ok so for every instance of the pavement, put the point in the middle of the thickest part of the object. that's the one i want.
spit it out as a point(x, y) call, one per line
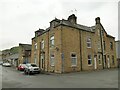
point(11, 78)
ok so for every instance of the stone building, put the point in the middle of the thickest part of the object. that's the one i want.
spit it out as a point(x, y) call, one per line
point(24, 53)
point(67, 46)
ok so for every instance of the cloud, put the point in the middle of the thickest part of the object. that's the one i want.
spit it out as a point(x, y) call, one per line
point(20, 18)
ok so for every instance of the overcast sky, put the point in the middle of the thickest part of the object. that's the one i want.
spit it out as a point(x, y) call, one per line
point(19, 19)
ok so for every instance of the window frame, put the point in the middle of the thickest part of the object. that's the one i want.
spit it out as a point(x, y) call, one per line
point(52, 40)
point(89, 42)
point(89, 59)
point(111, 45)
point(42, 44)
point(99, 45)
point(52, 60)
point(35, 46)
point(99, 60)
point(73, 58)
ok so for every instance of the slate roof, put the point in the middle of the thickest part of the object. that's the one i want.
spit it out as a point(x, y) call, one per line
point(78, 26)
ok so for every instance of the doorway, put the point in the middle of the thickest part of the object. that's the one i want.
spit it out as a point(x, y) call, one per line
point(95, 62)
point(108, 61)
point(42, 64)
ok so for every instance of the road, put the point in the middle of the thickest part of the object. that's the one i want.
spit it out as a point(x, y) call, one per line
point(11, 78)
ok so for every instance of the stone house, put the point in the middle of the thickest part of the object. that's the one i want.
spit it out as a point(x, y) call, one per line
point(66, 46)
point(13, 59)
point(24, 53)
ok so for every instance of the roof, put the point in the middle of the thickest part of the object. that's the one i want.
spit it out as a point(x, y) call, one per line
point(26, 46)
point(110, 36)
point(78, 26)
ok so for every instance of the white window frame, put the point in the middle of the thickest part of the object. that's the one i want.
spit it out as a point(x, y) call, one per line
point(73, 58)
point(98, 32)
point(99, 45)
point(35, 46)
point(88, 42)
point(42, 44)
point(52, 60)
point(89, 59)
point(52, 40)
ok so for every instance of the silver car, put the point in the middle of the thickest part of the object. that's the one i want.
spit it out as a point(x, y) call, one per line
point(31, 68)
point(6, 64)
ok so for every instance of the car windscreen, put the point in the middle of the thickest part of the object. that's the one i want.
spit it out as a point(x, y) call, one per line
point(33, 65)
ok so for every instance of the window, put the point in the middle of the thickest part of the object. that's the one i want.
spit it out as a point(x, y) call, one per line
point(35, 46)
point(111, 45)
point(73, 59)
point(88, 42)
point(35, 60)
point(99, 59)
point(89, 60)
point(98, 32)
point(52, 62)
point(113, 62)
point(42, 44)
point(99, 45)
point(104, 45)
point(52, 41)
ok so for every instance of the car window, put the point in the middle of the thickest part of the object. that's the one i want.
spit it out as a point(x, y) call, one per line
point(28, 65)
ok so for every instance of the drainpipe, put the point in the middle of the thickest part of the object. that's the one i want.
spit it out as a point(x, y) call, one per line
point(80, 50)
point(101, 38)
point(48, 53)
point(40, 55)
point(62, 55)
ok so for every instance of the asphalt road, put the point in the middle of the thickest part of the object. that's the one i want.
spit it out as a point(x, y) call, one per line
point(11, 78)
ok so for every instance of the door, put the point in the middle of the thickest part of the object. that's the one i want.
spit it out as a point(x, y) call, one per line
point(105, 61)
point(42, 66)
point(108, 62)
point(95, 63)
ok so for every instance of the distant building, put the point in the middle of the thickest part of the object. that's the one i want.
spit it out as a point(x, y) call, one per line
point(13, 59)
point(5, 54)
point(66, 46)
point(24, 53)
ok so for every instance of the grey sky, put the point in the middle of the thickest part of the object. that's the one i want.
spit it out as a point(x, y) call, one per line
point(20, 18)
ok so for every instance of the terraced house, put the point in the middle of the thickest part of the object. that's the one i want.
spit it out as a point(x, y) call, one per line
point(24, 53)
point(66, 46)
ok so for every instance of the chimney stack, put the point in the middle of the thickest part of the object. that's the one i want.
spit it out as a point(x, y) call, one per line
point(97, 20)
point(73, 19)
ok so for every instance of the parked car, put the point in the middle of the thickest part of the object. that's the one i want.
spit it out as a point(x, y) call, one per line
point(21, 67)
point(6, 64)
point(1, 63)
point(31, 68)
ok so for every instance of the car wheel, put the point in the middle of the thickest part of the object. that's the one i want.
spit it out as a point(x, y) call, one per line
point(25, 72)
point(29, 73)
point(39, 72)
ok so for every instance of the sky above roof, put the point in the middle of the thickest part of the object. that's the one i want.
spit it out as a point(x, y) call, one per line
point(21, 18)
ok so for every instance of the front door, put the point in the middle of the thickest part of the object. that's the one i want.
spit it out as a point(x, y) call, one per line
point(95, 63)
point(42, 62)
point(105, 61)
point(108, 62)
